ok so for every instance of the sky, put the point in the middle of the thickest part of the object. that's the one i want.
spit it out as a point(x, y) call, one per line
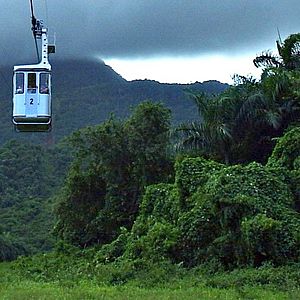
point(175, 41)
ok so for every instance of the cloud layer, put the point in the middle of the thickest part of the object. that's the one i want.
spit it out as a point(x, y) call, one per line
point(141, 28)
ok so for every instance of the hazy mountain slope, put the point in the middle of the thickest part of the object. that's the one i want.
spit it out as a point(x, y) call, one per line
point(86, 92)
point(29, 175)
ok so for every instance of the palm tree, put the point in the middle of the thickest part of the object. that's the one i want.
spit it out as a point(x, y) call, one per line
point(214, 133)
point(288, 57)
point(280, 83)
point(210, 134)
point(238, 125)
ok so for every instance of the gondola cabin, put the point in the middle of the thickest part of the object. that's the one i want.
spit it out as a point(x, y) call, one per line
point(32, 89)
point(32, 97)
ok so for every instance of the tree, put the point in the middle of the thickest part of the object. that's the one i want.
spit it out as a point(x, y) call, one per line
point(223, 122)
point(211, 134)
point(148, 132)
point(280, 83)
point(114, 163)
point(288, 58)
point(238, 125)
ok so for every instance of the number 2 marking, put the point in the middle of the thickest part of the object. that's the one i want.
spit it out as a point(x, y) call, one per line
point(31, 101)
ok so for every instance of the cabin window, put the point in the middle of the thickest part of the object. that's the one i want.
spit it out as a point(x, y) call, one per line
point(19, 83)
point(44, 83)
point(31, 83)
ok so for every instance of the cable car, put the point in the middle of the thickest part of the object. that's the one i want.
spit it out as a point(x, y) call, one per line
point(32, 89)
point(32, 97)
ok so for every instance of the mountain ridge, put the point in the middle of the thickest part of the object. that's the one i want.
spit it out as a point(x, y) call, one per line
point(86, 92)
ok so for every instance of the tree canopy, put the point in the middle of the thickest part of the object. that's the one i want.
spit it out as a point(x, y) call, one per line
point(114, 163)
point(238, 126)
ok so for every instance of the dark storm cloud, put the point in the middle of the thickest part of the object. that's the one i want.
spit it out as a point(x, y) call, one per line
point(129, 28)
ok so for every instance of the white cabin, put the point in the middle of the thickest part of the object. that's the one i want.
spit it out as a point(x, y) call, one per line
point(32, 93)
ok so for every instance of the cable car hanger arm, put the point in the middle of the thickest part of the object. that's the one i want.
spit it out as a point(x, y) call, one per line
point(36, 28)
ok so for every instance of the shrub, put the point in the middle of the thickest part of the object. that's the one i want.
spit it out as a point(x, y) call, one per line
point(111, 252)
point(193, 173)
point(225, 218)
point(283, 278)
point(263, 237)
point(154, 233)
point(286, 155)
point(152, 240)
point(162, 202)
point(9, 249)
point(244, 200)
point(287, 150)
point(236, 216)
point(198, 227)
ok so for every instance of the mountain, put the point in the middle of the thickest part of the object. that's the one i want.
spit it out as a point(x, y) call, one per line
point(86, 92)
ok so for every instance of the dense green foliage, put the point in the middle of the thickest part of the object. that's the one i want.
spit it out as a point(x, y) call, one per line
point(193, 173)
point(114, 163)
point(29, 175)
point(286, 156)
point(10, 250)
point(239, 215)
point(287, 151)
point(238, 126)
point(72, 274)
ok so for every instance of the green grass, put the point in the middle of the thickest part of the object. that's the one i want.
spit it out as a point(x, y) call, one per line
point(15, 287)
point(29, 290)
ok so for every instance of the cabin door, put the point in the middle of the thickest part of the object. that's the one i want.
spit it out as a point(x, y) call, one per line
point(31, 99)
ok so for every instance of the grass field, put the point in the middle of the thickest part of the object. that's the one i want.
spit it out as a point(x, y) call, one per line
point(29, 290)
point(17, 288)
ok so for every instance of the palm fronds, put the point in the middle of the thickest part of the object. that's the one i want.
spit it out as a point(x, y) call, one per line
point(266, 60)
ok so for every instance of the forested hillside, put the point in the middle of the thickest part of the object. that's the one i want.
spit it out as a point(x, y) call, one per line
point(87, 92)
point(29, 176)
